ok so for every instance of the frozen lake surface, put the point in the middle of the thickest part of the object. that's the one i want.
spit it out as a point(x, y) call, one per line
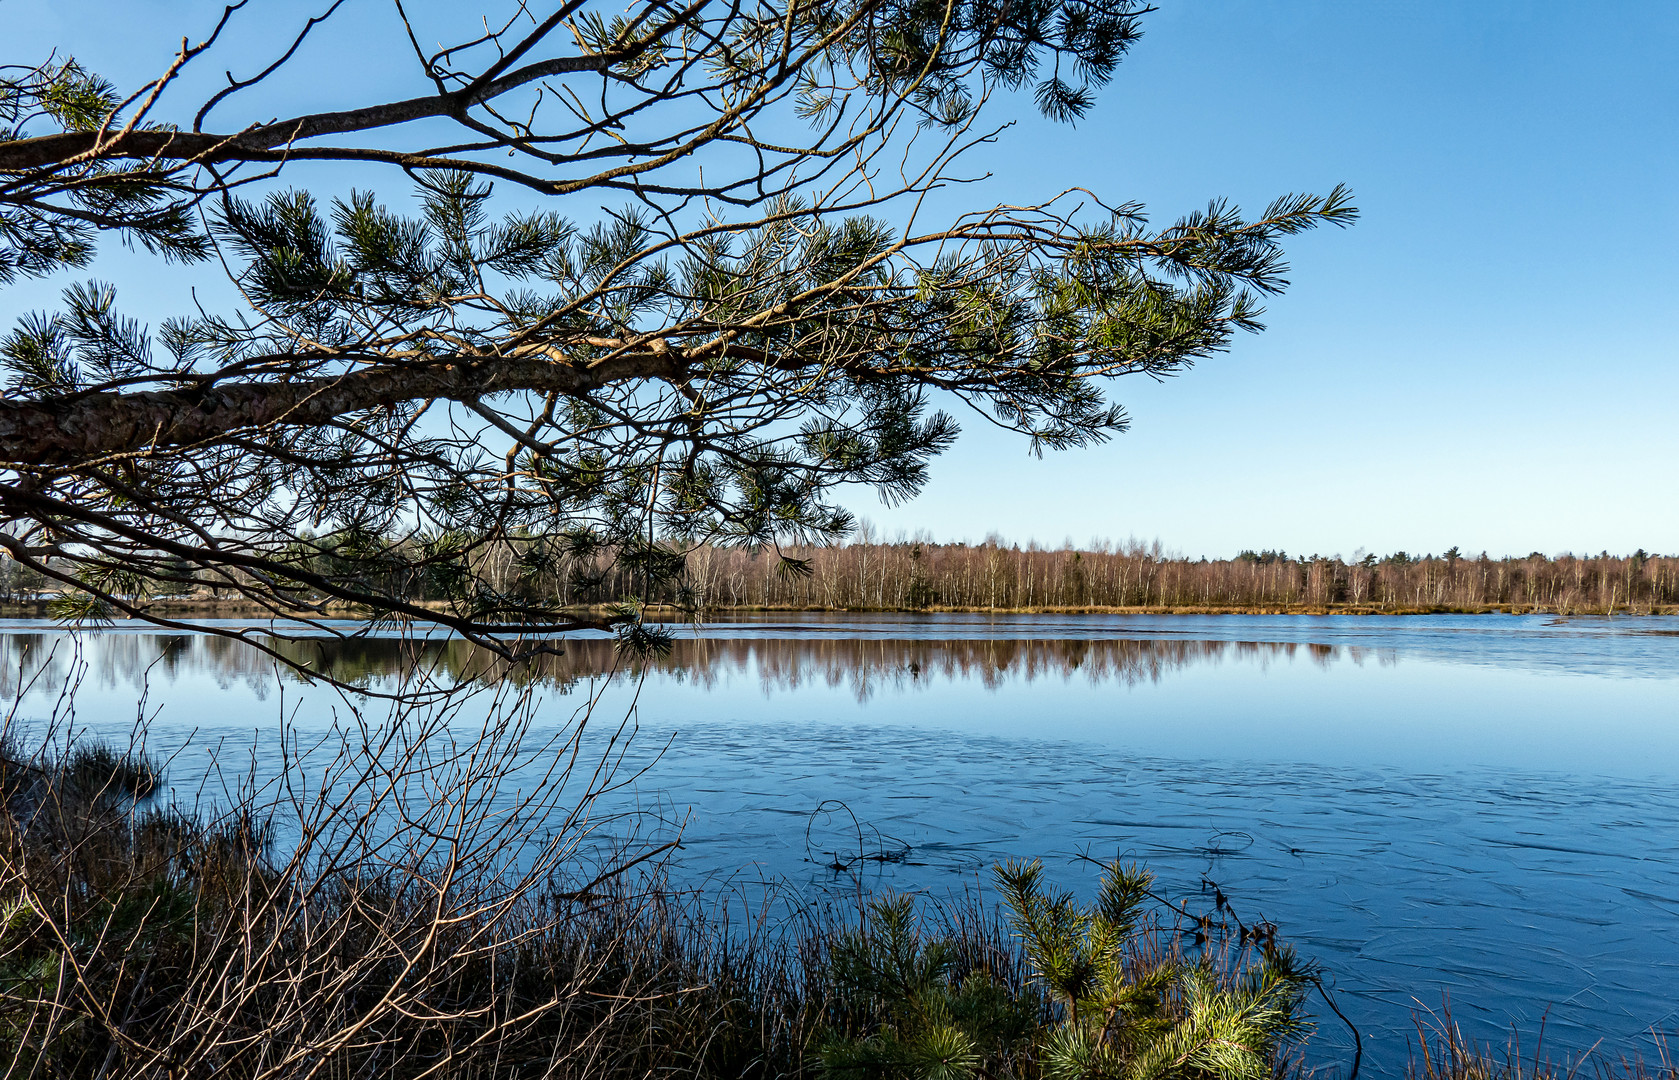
point(1481, 807)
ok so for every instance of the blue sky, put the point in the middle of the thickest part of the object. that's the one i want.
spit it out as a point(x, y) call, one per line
point(1485, 360)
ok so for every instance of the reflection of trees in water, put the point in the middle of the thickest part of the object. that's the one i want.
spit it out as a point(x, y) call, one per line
point(865, 665)
point(45, 661)
point(874, 664)
point(103, 660)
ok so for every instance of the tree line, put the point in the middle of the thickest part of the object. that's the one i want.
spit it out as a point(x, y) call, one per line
point(997, 576)
point(920, 575)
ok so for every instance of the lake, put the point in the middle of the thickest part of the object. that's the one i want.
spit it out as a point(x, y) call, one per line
point(1483, 808)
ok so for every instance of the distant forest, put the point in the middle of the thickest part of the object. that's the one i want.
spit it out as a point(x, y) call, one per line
point(925, 576)
point(995, 576)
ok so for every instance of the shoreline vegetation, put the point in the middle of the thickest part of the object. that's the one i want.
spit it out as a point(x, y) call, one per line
point(189, 610)
point(353, 933)
point(993, 577)
point(402, 905)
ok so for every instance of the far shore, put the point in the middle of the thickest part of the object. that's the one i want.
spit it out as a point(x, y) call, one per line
point(226, 609)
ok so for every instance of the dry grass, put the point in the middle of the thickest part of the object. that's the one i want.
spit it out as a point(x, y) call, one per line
point(1443, 1053)
point(419, 897)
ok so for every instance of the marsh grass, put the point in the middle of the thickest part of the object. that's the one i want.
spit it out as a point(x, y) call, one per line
point(1442, 1052)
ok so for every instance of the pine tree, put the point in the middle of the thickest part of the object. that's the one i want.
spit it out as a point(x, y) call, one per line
point(419, 394)
point(1106, 1002)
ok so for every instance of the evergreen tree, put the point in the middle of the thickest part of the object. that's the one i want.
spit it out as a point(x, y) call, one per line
point(724, 309)
point(1108, 1001)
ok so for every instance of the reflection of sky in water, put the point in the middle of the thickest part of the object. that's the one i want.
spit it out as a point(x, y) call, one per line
point(1482, 806)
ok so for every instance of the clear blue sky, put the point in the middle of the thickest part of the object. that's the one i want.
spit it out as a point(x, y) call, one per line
point(1486, 360)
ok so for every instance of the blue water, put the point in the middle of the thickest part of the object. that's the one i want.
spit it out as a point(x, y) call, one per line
point(1484, 809)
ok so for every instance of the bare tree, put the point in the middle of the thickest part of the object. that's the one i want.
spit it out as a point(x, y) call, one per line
point(760, 314)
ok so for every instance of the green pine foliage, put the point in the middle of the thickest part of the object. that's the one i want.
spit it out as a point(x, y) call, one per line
point(909, 1006)
point(1108, 998)
point(53, 223)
